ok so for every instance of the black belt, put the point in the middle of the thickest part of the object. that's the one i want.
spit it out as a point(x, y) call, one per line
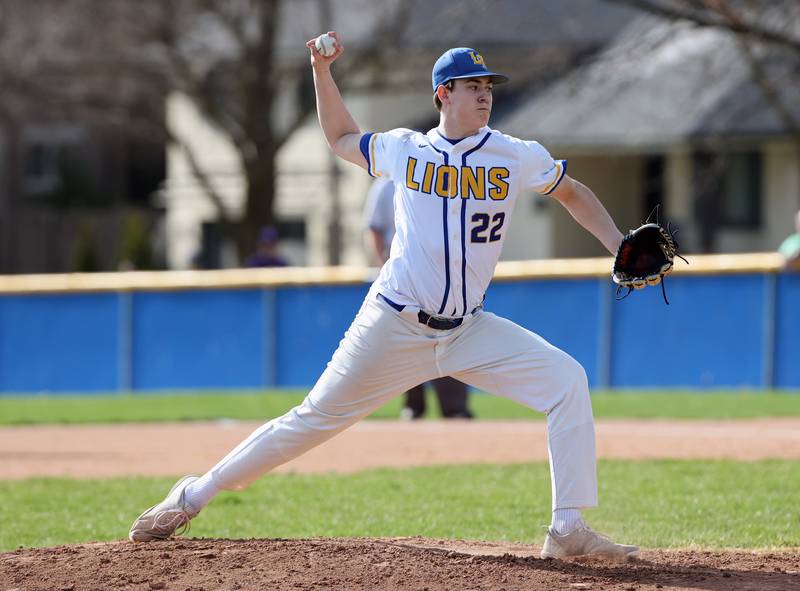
point(437, 322)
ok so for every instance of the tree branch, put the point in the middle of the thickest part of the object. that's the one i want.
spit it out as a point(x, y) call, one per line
point(388, 32)
point(757, 69)
point(712, 17)
point(201, 177)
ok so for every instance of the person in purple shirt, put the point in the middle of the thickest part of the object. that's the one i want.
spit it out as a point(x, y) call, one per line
point(266, 254)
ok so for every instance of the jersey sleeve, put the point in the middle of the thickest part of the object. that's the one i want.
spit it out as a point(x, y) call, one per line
point(540, 172)
point(382, 151)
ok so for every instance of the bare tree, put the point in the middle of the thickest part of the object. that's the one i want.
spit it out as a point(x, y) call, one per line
point(742, 18)
point(114, 62)
point(234, 75)
point(761, 28)
point(68, 67)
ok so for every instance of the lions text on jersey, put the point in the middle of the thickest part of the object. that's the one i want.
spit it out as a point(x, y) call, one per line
point(452, 207)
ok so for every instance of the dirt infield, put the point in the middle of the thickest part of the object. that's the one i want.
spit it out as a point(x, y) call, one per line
point(415, 563)
point(170, 449)
point(368, 564)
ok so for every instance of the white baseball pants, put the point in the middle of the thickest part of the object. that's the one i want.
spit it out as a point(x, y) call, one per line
point(386, 352)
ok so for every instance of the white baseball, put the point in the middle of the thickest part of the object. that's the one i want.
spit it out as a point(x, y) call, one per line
point(325, 45)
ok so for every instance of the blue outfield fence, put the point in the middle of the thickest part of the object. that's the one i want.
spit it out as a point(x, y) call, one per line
point(738, 327)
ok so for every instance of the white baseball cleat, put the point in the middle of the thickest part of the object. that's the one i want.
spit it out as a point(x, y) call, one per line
point(160, 521)
point(585, 542)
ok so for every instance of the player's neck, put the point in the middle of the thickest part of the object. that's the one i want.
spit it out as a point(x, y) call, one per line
point(453, 131)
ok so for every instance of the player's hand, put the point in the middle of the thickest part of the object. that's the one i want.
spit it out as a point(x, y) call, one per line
point(317, 59)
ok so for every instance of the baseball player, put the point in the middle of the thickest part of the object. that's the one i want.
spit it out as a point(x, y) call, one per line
point(422, 318)
point(379, 220)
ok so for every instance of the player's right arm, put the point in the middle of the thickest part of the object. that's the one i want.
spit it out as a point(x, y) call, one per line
point(341, 131)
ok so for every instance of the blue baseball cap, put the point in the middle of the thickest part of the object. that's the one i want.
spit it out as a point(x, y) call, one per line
point(462, 62)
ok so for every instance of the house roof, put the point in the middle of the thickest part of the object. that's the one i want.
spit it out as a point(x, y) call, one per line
point(657, 84)
point(517, 22)
point(532, 41)
point(445, 23)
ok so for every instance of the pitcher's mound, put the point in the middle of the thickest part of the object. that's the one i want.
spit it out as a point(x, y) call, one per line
point(398, 563)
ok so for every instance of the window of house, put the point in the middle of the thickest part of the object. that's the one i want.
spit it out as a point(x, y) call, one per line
point(729, 184)
point(42, 174)
point(145, 169)
point(292, 229)
point(62, 170)
point(742, 190)
point(653, 188)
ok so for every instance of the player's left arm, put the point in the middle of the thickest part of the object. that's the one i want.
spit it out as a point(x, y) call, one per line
point(588, 211)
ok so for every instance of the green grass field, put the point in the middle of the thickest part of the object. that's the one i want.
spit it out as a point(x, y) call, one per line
point(657, 504)
point(262, 405)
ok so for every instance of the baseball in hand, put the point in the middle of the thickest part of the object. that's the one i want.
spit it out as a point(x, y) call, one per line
point(325, 45)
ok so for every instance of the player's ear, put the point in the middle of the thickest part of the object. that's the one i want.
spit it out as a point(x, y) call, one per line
point(442, 92)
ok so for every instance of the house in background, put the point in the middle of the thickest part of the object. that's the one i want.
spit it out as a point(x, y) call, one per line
point(76, 175)
point(646, 111)
point(72, 193)
point(671, 114)
point(318, 196)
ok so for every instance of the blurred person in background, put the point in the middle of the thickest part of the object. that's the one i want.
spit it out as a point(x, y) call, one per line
point(379, 220)
point(266, 254)
point(790, 248)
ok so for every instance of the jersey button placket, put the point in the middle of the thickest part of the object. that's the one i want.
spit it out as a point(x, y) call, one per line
point(455, 257)
point(454, 238)
point(455, 246)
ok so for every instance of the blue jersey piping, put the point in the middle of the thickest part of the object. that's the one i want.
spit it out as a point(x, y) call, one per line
point(363, 144)
point(445, 203)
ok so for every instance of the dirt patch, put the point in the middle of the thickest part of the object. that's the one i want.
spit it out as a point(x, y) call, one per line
point(171, 449)
point(353, 564)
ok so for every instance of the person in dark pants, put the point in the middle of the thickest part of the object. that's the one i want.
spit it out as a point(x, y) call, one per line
point(379, 220)
point(452, 396)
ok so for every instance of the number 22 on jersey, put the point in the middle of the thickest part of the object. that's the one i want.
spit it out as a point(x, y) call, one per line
point(482, 222)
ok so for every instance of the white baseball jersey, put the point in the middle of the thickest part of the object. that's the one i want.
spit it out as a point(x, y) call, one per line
point(453, 201)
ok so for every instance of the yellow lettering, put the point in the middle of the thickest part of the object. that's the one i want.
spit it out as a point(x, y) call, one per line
point(410, 182)
point(446, 188)
point(497, 177)
point(471, 184)
point(427, 179)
